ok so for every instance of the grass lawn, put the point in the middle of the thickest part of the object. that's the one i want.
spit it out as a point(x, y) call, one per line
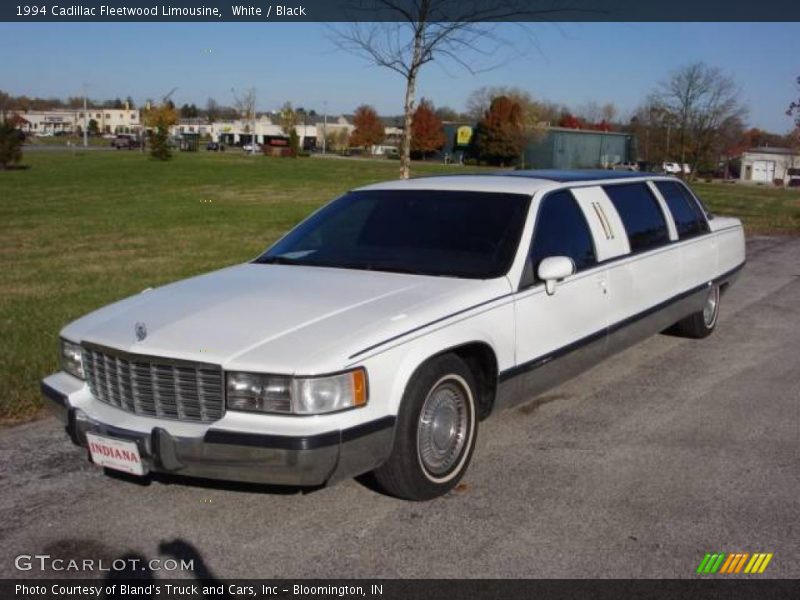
point(61, 140)
point(763, 209)
point(80, 230)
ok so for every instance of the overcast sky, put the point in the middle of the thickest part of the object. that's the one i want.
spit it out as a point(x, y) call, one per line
point(571, 63)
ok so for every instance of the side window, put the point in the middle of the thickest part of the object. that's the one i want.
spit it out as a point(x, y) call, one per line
point(640, 213)
point(689, 219)
point(561, 230)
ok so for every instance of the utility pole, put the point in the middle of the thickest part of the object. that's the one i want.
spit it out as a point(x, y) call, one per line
point(325, 127)
point(253, 141)
point(85, 120)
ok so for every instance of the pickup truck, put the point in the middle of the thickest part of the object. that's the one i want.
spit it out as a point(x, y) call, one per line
point(378, 333)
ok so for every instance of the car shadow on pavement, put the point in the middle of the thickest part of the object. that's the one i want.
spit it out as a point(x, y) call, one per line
point(178, 550)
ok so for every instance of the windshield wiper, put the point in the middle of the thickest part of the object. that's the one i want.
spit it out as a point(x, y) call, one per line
point(277, 260)
point(374, 267)
point(285, 260)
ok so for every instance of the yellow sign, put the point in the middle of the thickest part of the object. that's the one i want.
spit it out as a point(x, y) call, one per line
point(463, 135)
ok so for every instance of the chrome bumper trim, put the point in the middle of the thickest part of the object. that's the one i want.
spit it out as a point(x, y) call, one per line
point(239, 456)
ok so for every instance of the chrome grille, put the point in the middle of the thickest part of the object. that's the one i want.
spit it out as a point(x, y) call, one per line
point(154, 386)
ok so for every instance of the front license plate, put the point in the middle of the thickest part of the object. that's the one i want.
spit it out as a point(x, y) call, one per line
point(115, 454)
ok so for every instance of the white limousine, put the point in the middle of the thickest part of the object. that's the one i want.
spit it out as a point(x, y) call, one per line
point(379, 332)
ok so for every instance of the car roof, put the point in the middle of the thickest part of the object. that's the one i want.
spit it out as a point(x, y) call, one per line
point(565, 175)
point(512, 182)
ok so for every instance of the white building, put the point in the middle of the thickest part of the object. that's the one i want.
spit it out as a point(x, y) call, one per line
point(767, 165)
point(241, 131)
point(109, 120)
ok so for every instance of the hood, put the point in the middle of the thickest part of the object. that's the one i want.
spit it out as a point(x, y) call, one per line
point(279, 318)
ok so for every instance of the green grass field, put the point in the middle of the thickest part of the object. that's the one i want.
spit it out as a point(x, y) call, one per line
point(763, 209)
point(80, 230)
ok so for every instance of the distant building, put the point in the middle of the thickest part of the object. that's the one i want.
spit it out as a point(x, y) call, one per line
point(557, 148)
point(768, 165)
point(109, 120)
point(243, 131)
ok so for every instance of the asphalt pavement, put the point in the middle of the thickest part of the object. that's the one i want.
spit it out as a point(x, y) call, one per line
point(637, 468)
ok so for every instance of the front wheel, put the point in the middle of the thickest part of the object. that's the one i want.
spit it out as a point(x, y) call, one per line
point(436, 431)
point(701, 324)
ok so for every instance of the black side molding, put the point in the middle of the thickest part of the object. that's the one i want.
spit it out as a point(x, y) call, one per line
point(54, 395)
point(434, 322)
point(593, 337)
point(290, 442)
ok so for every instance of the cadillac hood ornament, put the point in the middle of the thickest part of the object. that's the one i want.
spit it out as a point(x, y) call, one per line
point(141, 331)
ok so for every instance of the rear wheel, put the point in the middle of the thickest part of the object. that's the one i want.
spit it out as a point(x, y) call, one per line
point(436, 431)
point(702, 323)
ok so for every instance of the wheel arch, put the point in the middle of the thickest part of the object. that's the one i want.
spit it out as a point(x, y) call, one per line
point(481, 359)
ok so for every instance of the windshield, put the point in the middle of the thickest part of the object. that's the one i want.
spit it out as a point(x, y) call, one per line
point(445, 233)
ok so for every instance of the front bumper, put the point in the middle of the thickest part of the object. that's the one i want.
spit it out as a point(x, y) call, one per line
point(241, 456)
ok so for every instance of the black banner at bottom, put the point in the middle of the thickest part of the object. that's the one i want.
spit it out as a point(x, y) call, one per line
point(395, 589)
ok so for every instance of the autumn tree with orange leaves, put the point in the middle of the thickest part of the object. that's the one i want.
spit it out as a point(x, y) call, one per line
point(427, 134)
point(369, 131)
point(500, 135)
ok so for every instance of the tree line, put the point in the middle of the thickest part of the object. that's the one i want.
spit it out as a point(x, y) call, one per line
point(693, 116)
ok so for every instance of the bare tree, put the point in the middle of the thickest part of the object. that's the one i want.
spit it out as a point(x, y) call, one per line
point(479, 101)
point(793, 137)
point(590, 112)
point(246, 106)
point(700, 99)
point(609, 112)
point(794, 108)
point(212, 110)
point(461, 32)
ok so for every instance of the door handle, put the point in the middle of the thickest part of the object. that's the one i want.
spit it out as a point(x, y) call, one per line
point(603, 283)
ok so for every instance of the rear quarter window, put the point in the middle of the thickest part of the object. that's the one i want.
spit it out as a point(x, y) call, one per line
point(641, 215)
point(688, 216)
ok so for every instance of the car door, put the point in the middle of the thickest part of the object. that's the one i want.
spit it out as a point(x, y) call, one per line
point(641, 282)
point(560, 334)
point(697, 245)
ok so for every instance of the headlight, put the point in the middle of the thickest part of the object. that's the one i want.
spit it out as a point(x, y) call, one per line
point(71, 358)
point(262, 393)
point(299, 395)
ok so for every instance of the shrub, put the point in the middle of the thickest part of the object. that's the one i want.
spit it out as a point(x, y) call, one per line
point(10, 146)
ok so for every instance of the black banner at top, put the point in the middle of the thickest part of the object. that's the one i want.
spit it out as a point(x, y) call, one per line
point(254, 11)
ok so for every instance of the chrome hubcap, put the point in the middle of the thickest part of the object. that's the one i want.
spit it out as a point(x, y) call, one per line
point(443, 424)
point(710, 307)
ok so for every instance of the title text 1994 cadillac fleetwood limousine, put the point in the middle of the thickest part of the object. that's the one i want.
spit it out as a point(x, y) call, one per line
point(377, 334)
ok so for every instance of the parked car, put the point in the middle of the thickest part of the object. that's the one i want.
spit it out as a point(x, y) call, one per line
point(672, 168)
point(686, 169)
point(252, 148)
point(125, 141)
point(44, 134)
point(626, 166)
point(379, 332)
point(215, 147)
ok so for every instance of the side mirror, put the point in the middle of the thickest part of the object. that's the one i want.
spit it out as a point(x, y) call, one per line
point(553, 269)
